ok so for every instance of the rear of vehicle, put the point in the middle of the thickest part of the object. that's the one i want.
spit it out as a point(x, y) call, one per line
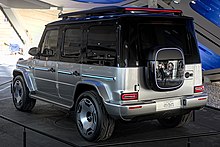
point(157, 74)
point(161, 66)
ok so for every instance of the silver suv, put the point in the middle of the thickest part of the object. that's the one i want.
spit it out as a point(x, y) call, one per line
point(114, 63)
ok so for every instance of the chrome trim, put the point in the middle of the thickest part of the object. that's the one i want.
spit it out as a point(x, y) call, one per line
point(31, 82)
point(41, 68)
point(66, 84)
point(197, 96)
point(54, 81)
point(50, 101)
point(45, 79)
point(24, 66)
point(99, 77)
point(65, 72)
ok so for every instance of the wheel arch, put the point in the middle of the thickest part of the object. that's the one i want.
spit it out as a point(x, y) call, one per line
point(87, 85)
point(28, 78)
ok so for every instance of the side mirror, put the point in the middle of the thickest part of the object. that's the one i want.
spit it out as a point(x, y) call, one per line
point(48, 52)
point(34, 51)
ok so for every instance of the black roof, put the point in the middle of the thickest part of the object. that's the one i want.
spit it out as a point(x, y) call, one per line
point(113, 10)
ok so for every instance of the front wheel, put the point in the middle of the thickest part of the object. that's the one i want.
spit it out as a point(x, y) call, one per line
point(93, 122)
point(20, 95)
point(175, 121)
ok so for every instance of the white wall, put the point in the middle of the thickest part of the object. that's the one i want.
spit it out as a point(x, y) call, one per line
point(7, 34)
point(34, 21)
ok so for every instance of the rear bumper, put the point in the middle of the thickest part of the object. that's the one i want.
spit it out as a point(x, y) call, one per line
point(151, 107)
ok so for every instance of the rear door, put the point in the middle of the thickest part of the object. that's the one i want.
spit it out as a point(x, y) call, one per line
point(69, 72)
point(179, 73)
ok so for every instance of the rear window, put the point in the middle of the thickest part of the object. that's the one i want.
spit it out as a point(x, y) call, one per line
point(101, 45)
point(156, 35)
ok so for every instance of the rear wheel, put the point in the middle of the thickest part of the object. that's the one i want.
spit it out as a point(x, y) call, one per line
point(93, 122)
point(20, 94)
point(175, 121)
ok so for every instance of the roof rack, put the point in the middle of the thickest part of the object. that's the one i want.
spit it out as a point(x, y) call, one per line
point(118, 10)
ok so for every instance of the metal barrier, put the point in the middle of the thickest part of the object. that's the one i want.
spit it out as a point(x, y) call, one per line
point(188, 137)
point(37, 131)
point(188, 143)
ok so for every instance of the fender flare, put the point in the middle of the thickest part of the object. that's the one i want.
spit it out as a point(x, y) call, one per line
point(102, 89)
point(28, 78)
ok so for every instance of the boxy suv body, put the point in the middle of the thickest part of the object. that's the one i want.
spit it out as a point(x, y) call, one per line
point(115, 63)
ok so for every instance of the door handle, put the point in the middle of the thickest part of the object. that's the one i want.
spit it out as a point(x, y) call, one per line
point(75, 73)
point(52, 69)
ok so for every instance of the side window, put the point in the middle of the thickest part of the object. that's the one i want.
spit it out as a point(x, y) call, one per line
point(49, 45)
point(101, 45)
point(72, 45)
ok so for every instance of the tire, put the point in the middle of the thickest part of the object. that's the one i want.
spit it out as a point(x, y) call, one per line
point(175, 121)
point(92, 120)
point(20, 95)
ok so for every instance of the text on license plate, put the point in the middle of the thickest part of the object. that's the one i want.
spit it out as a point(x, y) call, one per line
point(167, 105)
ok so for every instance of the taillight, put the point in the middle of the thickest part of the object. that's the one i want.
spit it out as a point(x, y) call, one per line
point(201, 99)
point(198, 89)
point(129, 96)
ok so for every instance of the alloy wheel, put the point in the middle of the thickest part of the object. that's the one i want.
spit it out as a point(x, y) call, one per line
point(86, 117)
point(18, 92)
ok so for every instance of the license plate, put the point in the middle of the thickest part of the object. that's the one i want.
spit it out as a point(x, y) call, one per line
point(167, 105)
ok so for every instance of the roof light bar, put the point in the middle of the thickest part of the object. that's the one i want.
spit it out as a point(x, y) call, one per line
point(116, 10)
point(154, 10)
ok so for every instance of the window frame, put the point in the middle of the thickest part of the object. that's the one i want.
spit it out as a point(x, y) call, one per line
point(71, 59)
point(102, 62)
point(40, 46)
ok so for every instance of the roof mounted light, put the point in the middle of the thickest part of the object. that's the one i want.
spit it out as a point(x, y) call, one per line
point(112, 10)
point(151, 10)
